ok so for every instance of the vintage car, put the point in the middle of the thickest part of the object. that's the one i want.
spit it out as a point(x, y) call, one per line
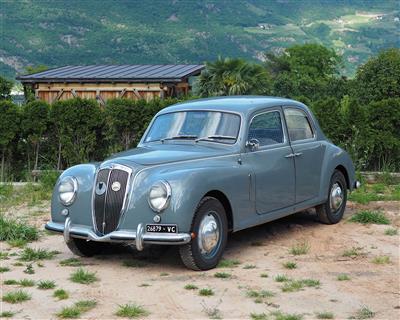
point(202, 169)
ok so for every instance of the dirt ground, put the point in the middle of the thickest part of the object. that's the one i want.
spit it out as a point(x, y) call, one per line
point(158, 285)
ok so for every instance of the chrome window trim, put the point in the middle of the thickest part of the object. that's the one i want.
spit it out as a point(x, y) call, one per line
point(311, 124)
point(142, 140)
point(275, 145)
point(125, 203)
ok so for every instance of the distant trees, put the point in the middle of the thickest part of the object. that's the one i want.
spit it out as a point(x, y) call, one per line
point(5, 88)
point(233, 77)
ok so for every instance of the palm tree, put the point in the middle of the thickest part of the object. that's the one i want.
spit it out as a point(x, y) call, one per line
point(233, 76)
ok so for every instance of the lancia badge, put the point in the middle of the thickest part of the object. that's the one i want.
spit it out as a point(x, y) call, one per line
point(100, 188)
point(116, 186)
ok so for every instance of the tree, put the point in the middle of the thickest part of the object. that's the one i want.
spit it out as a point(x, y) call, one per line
point(78, 127)
point(379, 78)
point(9, 126)
point(233, 77)
point(5, 88)
point(34, 124)
point(29, 92)
point(36, 69)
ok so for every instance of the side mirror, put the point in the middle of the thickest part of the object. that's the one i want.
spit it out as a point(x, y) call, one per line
point(253, 144)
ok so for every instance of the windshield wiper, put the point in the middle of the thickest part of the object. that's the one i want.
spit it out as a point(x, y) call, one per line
point(212, 138)
point(187, 136)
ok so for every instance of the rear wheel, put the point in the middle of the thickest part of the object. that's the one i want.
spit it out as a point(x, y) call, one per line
point(332, 210)
point(83, 247)
point(210, 227)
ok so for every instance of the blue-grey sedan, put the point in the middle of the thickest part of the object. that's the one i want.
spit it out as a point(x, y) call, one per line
point(202, 169)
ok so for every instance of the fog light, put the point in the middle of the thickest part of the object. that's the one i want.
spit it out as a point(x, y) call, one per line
point(64, 212)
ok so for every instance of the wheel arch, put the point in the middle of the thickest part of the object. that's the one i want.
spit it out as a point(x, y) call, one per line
point(220, 196)
point(343, 170)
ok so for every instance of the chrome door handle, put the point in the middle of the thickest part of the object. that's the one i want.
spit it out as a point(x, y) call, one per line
point(298, 154)
point(292, 155)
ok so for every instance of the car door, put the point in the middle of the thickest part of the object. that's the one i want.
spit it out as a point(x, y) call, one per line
point(308, 153)
point(274, 173)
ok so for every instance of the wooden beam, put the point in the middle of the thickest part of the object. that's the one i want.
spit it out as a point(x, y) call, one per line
point(122, 93)
point(73, 92)
point(137, 94)
point(58, 96)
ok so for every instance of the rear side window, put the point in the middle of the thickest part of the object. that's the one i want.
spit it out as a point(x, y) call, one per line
point(298, 125)
point(267, 128)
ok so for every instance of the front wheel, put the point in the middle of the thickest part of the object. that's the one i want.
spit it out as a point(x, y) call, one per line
point(210, 229)
point(84, 248)
point(332, 210)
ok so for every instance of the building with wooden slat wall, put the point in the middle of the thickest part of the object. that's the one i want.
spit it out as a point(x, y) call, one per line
point(106, 82)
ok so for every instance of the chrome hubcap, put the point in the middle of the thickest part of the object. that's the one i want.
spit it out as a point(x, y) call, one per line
point(336, 196)
point(208, 234)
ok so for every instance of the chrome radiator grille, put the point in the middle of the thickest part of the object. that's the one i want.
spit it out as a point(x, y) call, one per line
point(109, 197)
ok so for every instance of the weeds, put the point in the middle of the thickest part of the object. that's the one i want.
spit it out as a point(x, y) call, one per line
point(30, 254)
point(10, 282)
point(353, 252)
point(300, 248)
point(12, 230)
point(259, 294)
point(7, 314)
point(258, 316)
point(4, 255)
point(4, 269)
point(131, 311)
point(370, 217)
point(381, 260)
point(264, 275)
point(391, 232)
point(191, 287)
point(71, 262)
point(364, 313)
point(290, 265)
point(77, 309)
point(16, 296)
point(222, 275)
point(343, 277)
point(84, 277)
point(297, 285)
point(325, 315)
point(26, 283)
point(281, 278)
point(249, 266)
point(206, 292)
point(46, 284)
point(29, 269)
point(228, 263)
point(286, 316)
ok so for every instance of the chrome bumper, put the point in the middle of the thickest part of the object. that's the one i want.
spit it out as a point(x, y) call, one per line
point(139, 237)
point(357, 184)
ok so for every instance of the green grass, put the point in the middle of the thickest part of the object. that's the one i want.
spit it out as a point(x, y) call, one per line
point(131, 311)
point(61, 294)
point(381, 260)
point(258, 316)
point(353, 252)
point(83, 276)
point(71, 262)
point(249, 266)
point(77, 309)
point(343, 277)
point(26, 283)
point(297, 285)
point(222, 275)
point(300, 248)
point(260, 294)
point(391, 232)
point(228, 263)
point(264, 275)
point(290, 265)
point(133, 263)
point(13, 230)
point(205, 292)
point(286, 316)
point(30, 254)
point(4, 255)
point(16, 296)
point(10, 282)
point(191, 287)
point(46, 284)
point(376, 192)
point(7, 314)
point(325, 315)
point(4, 269)
point(281, 278)
point(364, 313)
point(29, 269)
point(370, 217)
point(17, 243)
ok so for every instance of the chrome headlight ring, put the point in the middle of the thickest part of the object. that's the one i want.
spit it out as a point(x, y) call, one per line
point(159, 196)
point(67, 190)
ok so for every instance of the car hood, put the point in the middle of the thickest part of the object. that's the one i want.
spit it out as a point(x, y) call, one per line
point(165, 153)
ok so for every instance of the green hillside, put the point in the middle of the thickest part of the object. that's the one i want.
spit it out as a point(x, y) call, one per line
point(56, 33)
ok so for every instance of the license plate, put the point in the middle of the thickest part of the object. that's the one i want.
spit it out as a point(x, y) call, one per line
point(162, 228)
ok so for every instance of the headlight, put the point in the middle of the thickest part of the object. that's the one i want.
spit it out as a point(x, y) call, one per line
point(159, 196)
point(67, 189)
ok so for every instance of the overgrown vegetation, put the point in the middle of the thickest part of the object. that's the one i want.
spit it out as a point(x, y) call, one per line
point(16, 296)
point(77, 309)
point(228, 263)
point(13, 230)
point(46, 284)
point(206, 292)
point(300, 248)
point(31, 254)
point(131, 311)
point(83, 276)
point(368, 216)
point(71, 262)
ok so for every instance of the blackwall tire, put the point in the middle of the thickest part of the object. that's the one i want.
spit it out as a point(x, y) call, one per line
point(84, 248)
point(210, 227)
point(332, 210)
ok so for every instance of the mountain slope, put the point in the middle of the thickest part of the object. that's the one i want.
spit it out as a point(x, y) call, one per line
point(56, 33)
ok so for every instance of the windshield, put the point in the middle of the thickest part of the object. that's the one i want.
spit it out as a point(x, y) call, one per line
point(222, 127)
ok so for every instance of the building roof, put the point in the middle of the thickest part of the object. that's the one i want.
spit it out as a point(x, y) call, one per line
point(116, 73)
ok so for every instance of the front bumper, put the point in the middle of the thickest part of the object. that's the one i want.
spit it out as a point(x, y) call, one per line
point(139, 237)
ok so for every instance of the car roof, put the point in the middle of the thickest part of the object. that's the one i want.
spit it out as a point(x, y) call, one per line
point(244, 105)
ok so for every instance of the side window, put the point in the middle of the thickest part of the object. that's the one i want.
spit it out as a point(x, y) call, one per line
point(267, 128)
point(298, 125)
